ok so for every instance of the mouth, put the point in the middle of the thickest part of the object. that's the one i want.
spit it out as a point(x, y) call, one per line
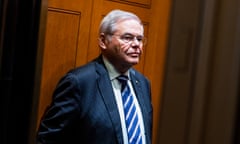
point(134, 54)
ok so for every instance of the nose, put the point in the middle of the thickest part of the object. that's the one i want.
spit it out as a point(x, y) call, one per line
point(135, 42)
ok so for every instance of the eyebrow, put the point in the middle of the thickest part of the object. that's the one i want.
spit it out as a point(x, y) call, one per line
point(131, 34)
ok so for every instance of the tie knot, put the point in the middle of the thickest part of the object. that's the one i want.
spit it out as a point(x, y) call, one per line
point(123, 80)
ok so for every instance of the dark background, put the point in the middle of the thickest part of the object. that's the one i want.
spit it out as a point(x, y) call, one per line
point(18, 50)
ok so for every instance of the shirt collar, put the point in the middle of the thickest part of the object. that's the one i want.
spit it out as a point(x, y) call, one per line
point(113, 73)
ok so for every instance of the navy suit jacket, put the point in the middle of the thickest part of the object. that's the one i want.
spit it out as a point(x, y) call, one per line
point(84, 110)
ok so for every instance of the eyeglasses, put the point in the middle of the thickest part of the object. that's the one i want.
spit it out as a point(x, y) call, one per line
point(129, 38)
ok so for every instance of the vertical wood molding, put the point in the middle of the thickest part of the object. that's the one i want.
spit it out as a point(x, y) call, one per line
point(38, 71)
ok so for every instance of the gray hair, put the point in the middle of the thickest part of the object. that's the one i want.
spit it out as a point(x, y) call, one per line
point(107, 25)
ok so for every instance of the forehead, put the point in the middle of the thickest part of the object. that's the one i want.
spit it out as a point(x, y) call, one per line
point(129, 26)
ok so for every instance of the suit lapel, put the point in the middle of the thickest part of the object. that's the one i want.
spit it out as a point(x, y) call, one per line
point(137, 86)
point(138, 90)
point(105, 88)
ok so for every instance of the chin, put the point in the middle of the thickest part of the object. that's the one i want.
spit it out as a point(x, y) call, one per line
point(134, 62)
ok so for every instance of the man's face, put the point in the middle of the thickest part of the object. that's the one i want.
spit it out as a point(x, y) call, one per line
point(125, 46)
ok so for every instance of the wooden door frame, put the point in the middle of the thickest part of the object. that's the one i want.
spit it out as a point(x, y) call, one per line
point(38, 71)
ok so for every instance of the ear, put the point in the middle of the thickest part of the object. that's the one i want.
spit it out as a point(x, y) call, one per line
point(102, 41)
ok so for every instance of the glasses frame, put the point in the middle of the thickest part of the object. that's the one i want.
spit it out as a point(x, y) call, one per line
point(130, 38)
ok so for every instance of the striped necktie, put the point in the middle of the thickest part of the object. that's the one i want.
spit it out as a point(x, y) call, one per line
point(130, 112)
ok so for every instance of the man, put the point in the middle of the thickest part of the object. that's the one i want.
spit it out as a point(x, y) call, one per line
point(89, 106)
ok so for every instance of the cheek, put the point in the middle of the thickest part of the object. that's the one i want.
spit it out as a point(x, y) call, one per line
point(124, 47)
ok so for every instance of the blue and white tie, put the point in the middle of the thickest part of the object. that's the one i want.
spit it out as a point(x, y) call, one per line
point(130, 112)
